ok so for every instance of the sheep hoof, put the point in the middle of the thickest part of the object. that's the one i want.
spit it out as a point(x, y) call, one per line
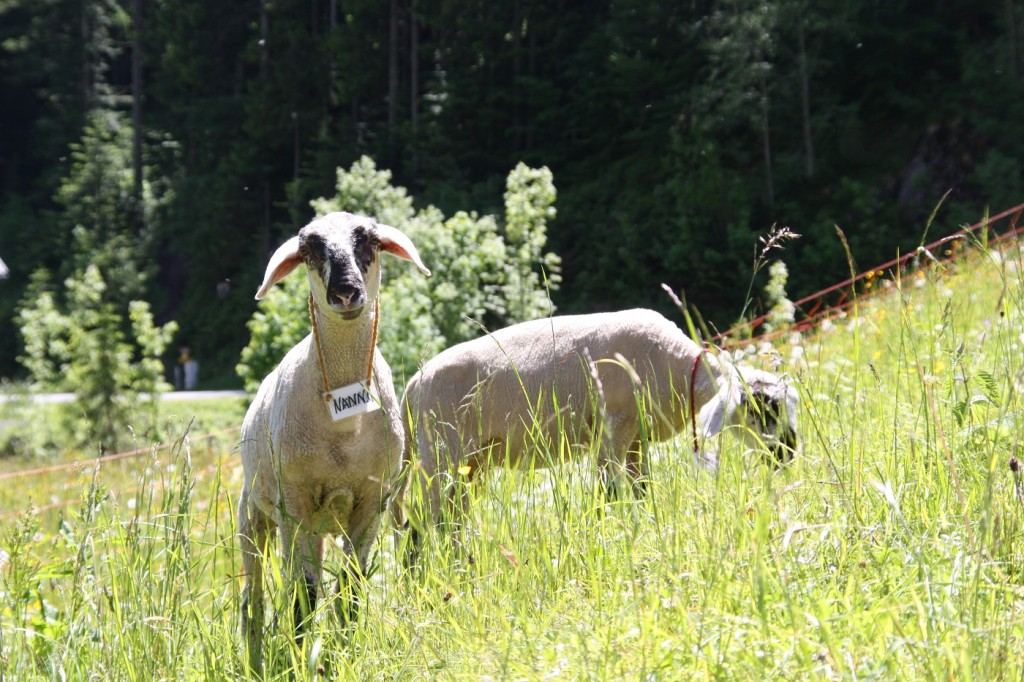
point(412, 551)
point(303, 605)
point(347, 603)
point(641, 488)
point(707, 460)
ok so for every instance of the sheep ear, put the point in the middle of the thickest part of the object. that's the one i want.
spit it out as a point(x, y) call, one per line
point(717, 412)
point(284, 260)
point(711, 417)
point(397, 244)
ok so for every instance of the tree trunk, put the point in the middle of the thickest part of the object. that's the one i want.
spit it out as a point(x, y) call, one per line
point(264, 30)
point(137, 99)
point(86, 84)
point(531, 69)
point(766, 137)
point(414, 77)
point(296, 150)
point(805, 100)
point(332, 86)
point(517, 71)
point(393, 83)
point(1011, 27)
point(264, 61)
point(265, 237)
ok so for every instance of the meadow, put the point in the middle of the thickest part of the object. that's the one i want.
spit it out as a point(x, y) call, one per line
point(889, 549)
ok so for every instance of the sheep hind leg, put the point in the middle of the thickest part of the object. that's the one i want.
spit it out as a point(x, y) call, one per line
point(254, 532)
point(638, 466)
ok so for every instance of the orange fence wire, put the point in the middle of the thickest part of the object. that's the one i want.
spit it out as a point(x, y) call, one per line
point(816, 308)
point(63, 504)
point(94, 463)
point(85, 463)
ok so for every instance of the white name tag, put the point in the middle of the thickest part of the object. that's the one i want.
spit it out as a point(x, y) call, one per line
point(351, 400)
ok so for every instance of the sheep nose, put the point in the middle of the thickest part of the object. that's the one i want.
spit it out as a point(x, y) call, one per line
point(346, 297)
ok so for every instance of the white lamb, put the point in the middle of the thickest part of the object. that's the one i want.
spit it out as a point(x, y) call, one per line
point(492, 401)
point(318, 465)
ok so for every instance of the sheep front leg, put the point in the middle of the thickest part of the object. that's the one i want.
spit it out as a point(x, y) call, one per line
point(436, 495)
point(409, 520)
point(613, 457)
point(458, 503)
point(399, 519)
point(447, 493)
point(356, 566)
point(254, 531)
point(303, 554)
point(420, 492)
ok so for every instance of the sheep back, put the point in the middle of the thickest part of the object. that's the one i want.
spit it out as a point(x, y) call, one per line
point(502, 389)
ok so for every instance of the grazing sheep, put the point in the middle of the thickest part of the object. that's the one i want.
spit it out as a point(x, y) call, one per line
point(310, 470)
point(491, 401)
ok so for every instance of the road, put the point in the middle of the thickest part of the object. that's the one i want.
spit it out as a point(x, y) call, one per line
point(170, 396)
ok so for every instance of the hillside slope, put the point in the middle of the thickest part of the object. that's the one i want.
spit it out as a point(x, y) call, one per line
point(890, 549)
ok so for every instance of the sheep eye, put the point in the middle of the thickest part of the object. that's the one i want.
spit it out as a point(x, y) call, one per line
point(364, 247)
point(313, 252)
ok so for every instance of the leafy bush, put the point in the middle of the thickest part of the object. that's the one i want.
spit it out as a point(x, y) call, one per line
point(485, 274)
point(83, 347)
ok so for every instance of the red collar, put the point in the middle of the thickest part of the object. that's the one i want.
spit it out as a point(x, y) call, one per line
point(693, 406)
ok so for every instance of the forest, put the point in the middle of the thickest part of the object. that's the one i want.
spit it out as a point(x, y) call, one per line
point(171, 145)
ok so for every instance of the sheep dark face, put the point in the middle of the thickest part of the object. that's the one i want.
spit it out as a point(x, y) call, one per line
point(768, 412)
point(780, 433)
point(342, 254)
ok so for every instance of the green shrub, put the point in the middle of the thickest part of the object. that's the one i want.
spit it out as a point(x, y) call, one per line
point(485, 274)
point(86, 347)
point(781, 312)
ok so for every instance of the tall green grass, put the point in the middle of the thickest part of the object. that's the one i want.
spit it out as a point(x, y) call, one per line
point(890, 549)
